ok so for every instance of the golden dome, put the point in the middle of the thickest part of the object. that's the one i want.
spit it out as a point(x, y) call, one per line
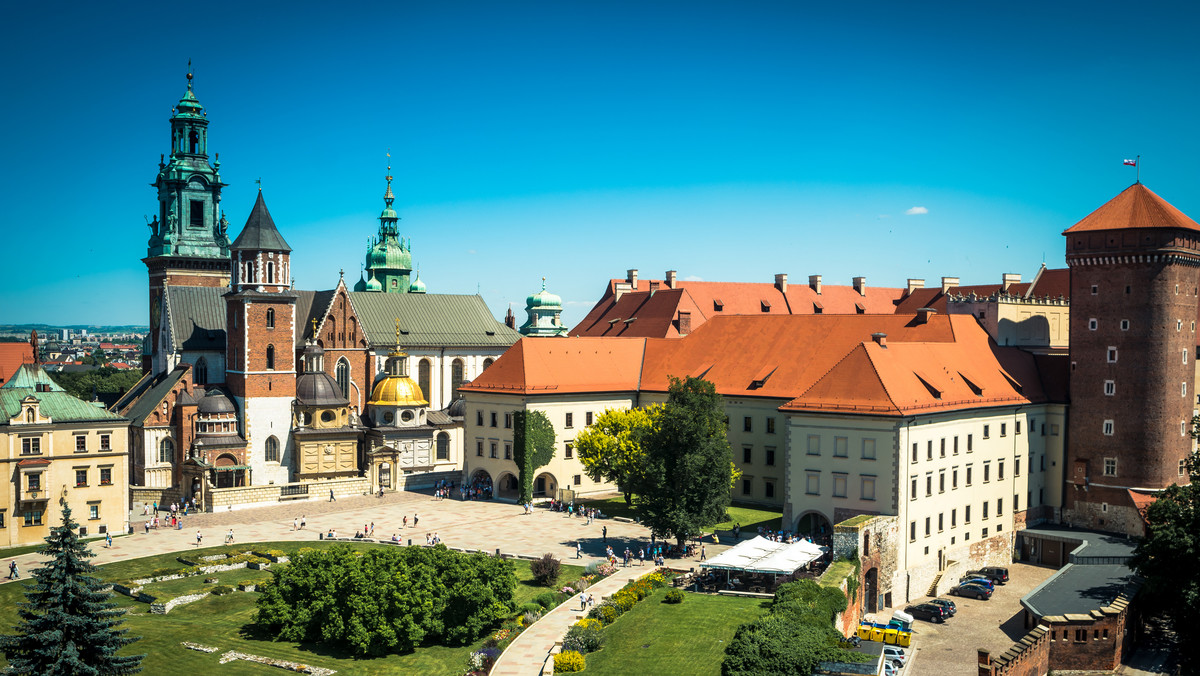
point(397, 391)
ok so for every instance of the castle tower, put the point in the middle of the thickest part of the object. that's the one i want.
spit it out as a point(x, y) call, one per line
point(188, 245)
point(1135, 275)
point(545, 315)
point(260, 344)
point(389, 256)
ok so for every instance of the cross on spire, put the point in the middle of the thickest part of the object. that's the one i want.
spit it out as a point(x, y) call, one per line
point(314, 324)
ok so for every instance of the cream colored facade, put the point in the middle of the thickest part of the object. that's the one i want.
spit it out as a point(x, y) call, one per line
point(952, 478)
point(84, 463)
point(1036, 324)
point(488, 435)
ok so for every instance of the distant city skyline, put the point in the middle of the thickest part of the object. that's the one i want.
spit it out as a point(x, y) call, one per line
point(577, 140)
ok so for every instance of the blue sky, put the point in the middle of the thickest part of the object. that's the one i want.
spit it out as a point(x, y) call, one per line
point(573, 140)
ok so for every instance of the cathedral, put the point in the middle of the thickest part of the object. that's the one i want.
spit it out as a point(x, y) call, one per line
point(257, 391)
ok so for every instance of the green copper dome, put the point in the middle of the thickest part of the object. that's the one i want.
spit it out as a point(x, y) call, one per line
point(390, 254)
point(543, 298)
point(373, 284)
point(361, 284)
point(417, 285)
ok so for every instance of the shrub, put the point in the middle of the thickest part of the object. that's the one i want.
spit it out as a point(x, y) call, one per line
point(545, 570)
point(530, 608)
point(624, 600)
point(589, 623)
point(546, 600)
point(569, 661)
point(221, 590)
point(584, 639)
point(673, 596)
point(605, 612)
point(592, 568)
point(531, 617)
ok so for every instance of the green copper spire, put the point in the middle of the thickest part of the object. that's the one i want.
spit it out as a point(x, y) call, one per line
point(545, 315)
point(189, 223)
point(389, 256)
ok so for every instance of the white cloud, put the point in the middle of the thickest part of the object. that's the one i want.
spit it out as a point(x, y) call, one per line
point(882, 216)
point(693, 278)
point(917, 210)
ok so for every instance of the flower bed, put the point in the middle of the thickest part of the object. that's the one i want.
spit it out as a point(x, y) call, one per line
point(587, 636)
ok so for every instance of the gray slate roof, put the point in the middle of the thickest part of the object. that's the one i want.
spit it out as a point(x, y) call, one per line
point(260, 232)
point(197, 316)
point(1078, 589)
point(153, 396)
point(310, 305)
point(429, 320)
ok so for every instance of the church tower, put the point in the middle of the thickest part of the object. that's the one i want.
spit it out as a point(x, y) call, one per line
point(545, 315)
point(389, 256)
point(260, 344)
point(1135, 276)
point(188, 245)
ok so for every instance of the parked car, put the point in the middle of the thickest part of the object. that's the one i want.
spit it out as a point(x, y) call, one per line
point(928, 611)
point(949, 605)
point(895, 654)
point(889, 669)
point(972, 590)
point(975, 579)
point(996, 574)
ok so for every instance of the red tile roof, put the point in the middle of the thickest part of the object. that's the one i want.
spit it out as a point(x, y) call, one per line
point(565, 365)
point(1136, 207)
point(12, 355)
point(1142, 501)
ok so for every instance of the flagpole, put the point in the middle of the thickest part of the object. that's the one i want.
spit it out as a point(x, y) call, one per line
point(1139, 168)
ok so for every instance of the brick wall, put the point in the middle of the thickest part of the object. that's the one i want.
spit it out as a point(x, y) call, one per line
point(1028, 657)
point(1096, 640)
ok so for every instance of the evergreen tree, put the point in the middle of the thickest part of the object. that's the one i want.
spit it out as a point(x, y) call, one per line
point(685, 484)
point(68, 625)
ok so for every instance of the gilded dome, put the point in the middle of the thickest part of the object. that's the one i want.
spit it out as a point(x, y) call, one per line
point(397, 391)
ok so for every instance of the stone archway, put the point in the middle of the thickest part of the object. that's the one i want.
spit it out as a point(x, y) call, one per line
point(507, 487)
point(871, 590)
point(545, 485)
point(815, 524)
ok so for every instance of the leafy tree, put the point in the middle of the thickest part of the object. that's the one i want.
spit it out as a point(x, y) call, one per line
point(1172, 546)
point(68, 623)
point(613, 448)
point(533, 447)
point(685, 485)
point(105, 379)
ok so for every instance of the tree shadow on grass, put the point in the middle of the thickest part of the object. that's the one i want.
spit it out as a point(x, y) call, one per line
point(253, 632)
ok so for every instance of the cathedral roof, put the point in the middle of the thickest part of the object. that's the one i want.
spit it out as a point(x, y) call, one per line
point(319, 389)
point(397, 391)
point(260, 232)
point(1136, 207)
point(215, 401)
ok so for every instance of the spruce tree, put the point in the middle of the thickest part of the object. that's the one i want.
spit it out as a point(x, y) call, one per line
point(68, 624)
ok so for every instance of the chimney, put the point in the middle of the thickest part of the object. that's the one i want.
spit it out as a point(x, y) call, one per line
point(913, 285)
point(949, 283)
point(860, 285)
point(1010, 278)
point(653, 287)
point(670, 279)
point(631, 277)
point(685, 323)
point(924, 314)
point(880, 338)
point(814, 282)
point(781, 282)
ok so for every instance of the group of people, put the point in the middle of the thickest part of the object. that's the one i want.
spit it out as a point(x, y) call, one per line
point(480, 488)
point(442, 489)
point(589, 513)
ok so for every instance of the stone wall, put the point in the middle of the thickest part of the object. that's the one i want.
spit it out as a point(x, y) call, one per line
point(164, 608)
point(928, 580)
point(1028, 657)
point(245, 497)
point(139, 496)
point(1091, 641)
point(874, 540)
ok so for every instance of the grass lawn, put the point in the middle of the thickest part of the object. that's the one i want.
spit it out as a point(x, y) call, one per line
point(750, 517)
point(661, 638)
point(221, 621)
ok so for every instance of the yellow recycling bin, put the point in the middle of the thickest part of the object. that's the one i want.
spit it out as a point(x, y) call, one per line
point(889, 636)
point(864, 632)
point(903, 638)
point(876, 633)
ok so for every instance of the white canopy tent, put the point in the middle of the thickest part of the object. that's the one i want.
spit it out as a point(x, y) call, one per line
point(761, 555)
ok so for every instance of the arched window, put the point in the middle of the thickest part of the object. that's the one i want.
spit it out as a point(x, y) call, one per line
point(193, 143)
point(270, 272)
point(201, 374)
point(166, 450)
point(270, 317)
point(270, 357)
point(272, 449)
point(332, 331)
point(456, 377)
point(343, 376)
point(443, 446)
point(487, 362)
point(423, 370)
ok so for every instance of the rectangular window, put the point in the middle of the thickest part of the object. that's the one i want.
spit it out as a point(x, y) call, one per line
point(479, 448)
point(2, 519)
point(970, 445)
point(1004, 429)
point(747, 454)
point(929, 450)
point(968, 475)
point(1110, 467)
point(1017, 430)
point(967, 514)
point(840, 445)
point(984, 533)
point(80, 477)
point(93, 512)
point(955, 445)
point(987, 471)
point(868, 488)
point(745, 487)
point(1108, 428)
point(839, 485)
point(493, 419)
point(814, 444)
point(914, 452)
point(943, 448)
point(570, 420)
point(1016, 502)
point(769, 488)
point(479, 418)
point(31, 446)
point(813, 483)
point(587, 417)
point(953, 518)
point(196, 214)
point(569, 451)
point(747, 424)
point(577, 480)
point(80, 443)
point(912, 531)
point(954, 479)
point(928, 485)
point(1017, 466)
point(941, 524)
point(987, 431)
point(770, 426)
point(928, 526)
point(493, 449)
point(508, 421)
point(985, 508)
point(868, 449)
point(912, 495)
point(1000, 470)
point(1053, 429)
point(1042, 462)
point(942, 481)
point(999, 506)
point(35, 481)
point(1112, 354)
point(104, 443)
point(33, 517)
point(507, 450)
point(770, 456)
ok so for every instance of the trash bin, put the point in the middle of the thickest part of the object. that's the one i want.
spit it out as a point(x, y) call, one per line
point(889, 635)
point(903, 638)
point(864, 632)
point(876, 633)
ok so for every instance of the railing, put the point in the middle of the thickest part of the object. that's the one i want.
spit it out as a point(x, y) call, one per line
point(293, 490)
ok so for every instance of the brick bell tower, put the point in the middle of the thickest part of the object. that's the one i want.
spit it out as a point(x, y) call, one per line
point(260, 345)
point(188, 245)
point(1135, 276)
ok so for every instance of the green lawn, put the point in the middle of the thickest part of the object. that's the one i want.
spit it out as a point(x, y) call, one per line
point(662, 638)
point(750, 517)
point(221, 621)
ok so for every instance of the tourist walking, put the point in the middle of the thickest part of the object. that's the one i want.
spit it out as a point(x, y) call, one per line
point(12, 570)
point(703, 556)
point(108, 540)
point(416, 520)
point(199, 538)
point(295, 524)
point(229, 537)
point(579, 550)
point(405, 521)
point(331, 498)
point(604, 533)
point(303, 521)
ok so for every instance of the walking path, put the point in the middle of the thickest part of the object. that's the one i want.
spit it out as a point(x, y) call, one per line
point(527, 653)
point(483, 525)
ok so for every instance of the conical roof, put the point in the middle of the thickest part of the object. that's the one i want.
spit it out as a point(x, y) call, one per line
point(1136, 207)
point(260, 232)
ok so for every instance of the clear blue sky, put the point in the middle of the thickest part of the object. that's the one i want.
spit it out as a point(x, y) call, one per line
point(729, 141)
